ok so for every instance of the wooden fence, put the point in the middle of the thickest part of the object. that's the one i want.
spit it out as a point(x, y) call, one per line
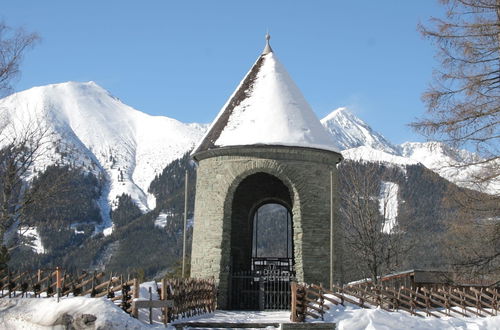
point(190, 296)
point(447, 300)
point(44, 283)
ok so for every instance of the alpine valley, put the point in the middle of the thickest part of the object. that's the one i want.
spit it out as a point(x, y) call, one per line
point(127, 169)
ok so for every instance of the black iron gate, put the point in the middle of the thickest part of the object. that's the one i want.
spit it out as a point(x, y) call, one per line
point(261, 289)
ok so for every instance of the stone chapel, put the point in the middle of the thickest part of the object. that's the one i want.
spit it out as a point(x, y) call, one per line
point(266, 179)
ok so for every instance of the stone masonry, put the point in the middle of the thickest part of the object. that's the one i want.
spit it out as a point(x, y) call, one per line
point(306, 174)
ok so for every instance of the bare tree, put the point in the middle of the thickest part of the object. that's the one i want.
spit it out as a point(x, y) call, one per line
point(368, 209)
point(473, 250)
point(13, 44)
point(20, 150)
point(472, 237)
point(463, 101)
point(463, 106)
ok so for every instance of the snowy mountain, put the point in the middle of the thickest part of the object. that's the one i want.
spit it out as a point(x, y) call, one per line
point(91, 128)
point(449, 164)
point(359, 142)
point(349, 131)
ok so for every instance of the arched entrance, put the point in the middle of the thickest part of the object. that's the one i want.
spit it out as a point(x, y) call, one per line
point(261, 244)
point(272, 241)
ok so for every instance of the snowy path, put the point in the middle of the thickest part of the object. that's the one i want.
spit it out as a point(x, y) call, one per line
point(241, 317)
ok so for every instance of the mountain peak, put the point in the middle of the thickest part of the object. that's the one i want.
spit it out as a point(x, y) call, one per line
point(342, 111)
point(68, 84)
point(349, 131)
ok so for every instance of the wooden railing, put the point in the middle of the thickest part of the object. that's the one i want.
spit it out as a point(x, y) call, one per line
point(189, 296)
point(447, 300)
point(45, 283)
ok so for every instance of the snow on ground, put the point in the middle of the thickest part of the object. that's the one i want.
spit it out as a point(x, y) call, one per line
point(44, 313)
point(108, 231)
point(241, 317)
point(32, 234)
point(388, 205)
point(162, 219)
point(75, 226)
point(353, 317)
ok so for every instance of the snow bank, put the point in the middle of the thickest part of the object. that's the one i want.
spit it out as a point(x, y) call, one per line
point(356, 318)
point(47, 313)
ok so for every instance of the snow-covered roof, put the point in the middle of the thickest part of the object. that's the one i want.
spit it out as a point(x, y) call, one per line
point(267, 108)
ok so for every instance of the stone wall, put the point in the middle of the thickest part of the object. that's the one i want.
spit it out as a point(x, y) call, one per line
point(306, 174)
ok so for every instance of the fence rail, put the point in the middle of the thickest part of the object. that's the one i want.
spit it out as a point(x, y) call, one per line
point(446, 300)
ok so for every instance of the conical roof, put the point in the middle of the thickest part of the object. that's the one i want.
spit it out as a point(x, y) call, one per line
point(267, 108)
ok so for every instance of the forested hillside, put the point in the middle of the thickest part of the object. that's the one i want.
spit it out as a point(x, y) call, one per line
point(142, 244)
point(65, 223)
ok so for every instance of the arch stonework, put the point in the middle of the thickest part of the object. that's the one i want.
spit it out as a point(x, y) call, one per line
point(306, 174)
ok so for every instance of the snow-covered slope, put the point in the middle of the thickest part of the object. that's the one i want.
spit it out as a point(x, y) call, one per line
point(348, 131)
point(102, 134)
point(360, 142)
point(449, 163)
point(388, 205)
point(365, 153)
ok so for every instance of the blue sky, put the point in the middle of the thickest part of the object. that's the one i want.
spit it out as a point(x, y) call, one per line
point(183, 59)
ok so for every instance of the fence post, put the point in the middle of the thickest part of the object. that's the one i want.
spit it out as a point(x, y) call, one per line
point(164, 297)
point(150, 308)
point(58, 282)
point(427, 303)
point(135, 295)
point(495, 298)
point(293, 307)
point(92, 291)
point(9, 284)
point(321, 301)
